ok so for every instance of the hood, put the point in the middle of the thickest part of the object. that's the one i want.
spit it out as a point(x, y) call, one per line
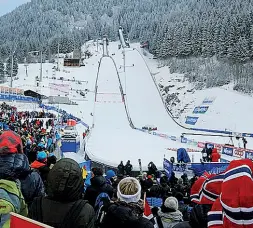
point(176, 216)
point(37, 165)
point(14, 165)
point(98, 181)
point(65, 181)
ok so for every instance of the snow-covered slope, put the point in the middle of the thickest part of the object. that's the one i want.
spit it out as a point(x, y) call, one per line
point(112, 139)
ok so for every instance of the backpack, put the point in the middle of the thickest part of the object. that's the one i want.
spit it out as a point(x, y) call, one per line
point(11, 200)
point(102, 201)
point(70, 220)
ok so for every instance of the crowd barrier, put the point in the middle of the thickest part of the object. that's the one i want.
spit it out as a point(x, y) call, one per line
point(63, 112)
point(192, 169)
point(14, 97)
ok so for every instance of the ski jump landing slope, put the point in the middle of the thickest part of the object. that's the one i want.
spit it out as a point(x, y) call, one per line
point(112, 139)
point(143, 100)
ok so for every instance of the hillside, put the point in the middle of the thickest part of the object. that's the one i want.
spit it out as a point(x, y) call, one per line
point(173, 28)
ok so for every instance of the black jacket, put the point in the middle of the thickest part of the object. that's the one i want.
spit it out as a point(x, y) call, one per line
point(198, 217)
point(98, 185)
point(65, 187)
point(121, 169)
point(119, 216)
point(128, 169)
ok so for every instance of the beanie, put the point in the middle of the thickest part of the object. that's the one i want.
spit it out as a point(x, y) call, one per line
point(41, 156)
point(110, 174)
point(129, 190)
point(172, 203)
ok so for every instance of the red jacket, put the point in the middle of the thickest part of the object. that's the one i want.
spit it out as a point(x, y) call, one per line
point(215, 155)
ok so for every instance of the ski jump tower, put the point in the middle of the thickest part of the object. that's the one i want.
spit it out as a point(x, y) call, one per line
point(105, 46)
point(121, 37)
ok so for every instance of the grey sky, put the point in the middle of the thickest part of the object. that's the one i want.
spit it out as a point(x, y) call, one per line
point(7, 6)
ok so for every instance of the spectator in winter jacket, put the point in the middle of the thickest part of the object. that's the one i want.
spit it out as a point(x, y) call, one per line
point(110, 177)
point(10, 142)
point(41, 165)
point(121, 168)
point(215, 155)
point(147, 184)
point(152, 169)
point(128, 168)
point(169, 214)
point(182, 207)
point(65, 188)
point(16, 166)
point(198, 217)
point(206, 154)
point(128, 210)
point(98, 185)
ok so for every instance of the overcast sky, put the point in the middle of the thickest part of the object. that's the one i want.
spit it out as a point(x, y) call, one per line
point(7, 6)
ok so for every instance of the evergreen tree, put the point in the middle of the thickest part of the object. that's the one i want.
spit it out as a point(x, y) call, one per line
point(14, 68)
point(1, 71)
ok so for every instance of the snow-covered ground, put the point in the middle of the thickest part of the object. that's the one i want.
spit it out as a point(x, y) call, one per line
point(112, 139)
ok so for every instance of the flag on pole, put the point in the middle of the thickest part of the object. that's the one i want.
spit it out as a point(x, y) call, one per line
point(18, 221)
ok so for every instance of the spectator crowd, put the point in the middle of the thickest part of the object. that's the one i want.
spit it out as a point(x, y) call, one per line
point(35, 185)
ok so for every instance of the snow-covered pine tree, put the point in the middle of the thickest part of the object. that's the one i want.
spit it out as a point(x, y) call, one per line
point(1, 71)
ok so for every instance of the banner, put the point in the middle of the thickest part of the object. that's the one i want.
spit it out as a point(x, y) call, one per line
point(212, 167)
point(18, 221)
point(191, 120)
point(208, 100)
point(168, 167)
point(227, 151)
point(200, 110)
point(58, 89)
point(239, 153)
point(224, 160)
point(249, 155)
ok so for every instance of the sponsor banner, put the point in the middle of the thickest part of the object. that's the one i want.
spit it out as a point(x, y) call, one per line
point(58, 89)
point(7, 90)
point(187, 149)
point(191, 120)
point(173, 138)
point(239, 153)
point(11, 97)
point(208, 100)
point(249, 155)
point(200, 110)
point(70, 145)
point(201, 144)
point(168, 168)
point(184, 140)
point(227, 151)
point(213, 168)
point(224, 160)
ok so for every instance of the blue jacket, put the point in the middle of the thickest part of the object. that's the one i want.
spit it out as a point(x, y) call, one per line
point(16, 166)
point(49, 142)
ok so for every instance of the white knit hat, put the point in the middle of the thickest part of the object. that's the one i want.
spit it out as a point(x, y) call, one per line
point(129, 198)
point(172, 203)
